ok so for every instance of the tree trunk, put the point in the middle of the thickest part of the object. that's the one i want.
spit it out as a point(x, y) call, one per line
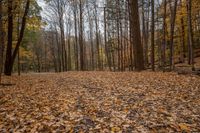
point(97, 39)
point(152, 36)
point(82, 61)
point(10, 58)
point(164, 36)
point(58, 50)
point(1, 40)
point(8, 61)
point(183, 49)
point(138, 49)
point(105, 41)
point(190, 34)
point(69, 47)
point(76, 40)
point(173, 20)
point(91, 39)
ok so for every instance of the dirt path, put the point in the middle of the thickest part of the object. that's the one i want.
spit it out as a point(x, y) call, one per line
point(100, 102)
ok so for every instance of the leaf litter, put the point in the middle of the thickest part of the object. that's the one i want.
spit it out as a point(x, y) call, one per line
point(100, 102)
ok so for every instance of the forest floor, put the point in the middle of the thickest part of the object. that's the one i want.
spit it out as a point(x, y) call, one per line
point(100, 102)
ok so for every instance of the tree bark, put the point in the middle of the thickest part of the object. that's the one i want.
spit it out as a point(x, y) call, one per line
point(164, 36)
point(190, 34)
point(97, 38)
point(152, 36)
point(82, 61)
point(138, 49)
point(8, 61)
point(173, 20)
point(1, 39)
point(76, 40)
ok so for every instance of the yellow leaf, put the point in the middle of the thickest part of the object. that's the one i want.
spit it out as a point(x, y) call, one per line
point(115, 129)
point(184, 127)
point(118, 102)
point(126, 110)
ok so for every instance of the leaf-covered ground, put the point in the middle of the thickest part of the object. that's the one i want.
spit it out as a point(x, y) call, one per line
point(100, 102)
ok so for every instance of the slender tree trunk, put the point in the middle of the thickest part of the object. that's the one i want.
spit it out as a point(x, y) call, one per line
point(69, 48)
point(173, 20)
point(97, 40)
point(38, 63)
point(53, 52)
point(45, 56)
point(90, 36)
point(126, 34)
point(82, 61)
point(118, 35)
point(58, 50)
point(130, 36)
point(147, 34)
point(76, 41)
point(183, 49)
point(164, 36)
point(60, 11)
point(62, 34)
point(190, 34)
point(105, 41)
point(144, 35)
point(1, 40)
point(122, 45)
point(92, 45)
point(152, 36)
point(18, 63)
point(18, 53)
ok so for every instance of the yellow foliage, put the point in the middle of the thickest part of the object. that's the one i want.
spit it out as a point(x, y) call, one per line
point(184, 127)
point(115, 129)
point(25, 54)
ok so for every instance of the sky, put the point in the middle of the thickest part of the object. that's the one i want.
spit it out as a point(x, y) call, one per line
point(42, 5)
